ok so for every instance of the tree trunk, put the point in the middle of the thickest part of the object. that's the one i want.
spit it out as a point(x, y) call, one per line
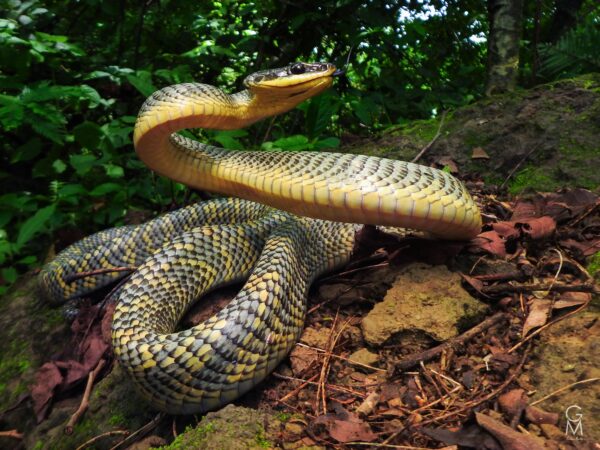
point(505, 17)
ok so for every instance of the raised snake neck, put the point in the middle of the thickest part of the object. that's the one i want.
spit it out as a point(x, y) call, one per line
point(227, 240)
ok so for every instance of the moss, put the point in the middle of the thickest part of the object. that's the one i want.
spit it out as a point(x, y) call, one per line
point(283, 416)
point(422, 130)
point(192, 437)
point(83, 431)
point(118, 420)
point(593, 266)
point(13, 364)
point(532, 178)
point(261, 439)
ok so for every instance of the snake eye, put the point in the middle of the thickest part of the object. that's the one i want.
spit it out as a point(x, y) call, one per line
point(297, 68)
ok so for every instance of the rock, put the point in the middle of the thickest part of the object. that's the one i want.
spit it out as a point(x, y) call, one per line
point(316, 338)
point(231, 428)
point(364, 357)
point(425, 300)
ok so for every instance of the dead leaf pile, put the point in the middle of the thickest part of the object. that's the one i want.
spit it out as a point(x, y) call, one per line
point(70, 370)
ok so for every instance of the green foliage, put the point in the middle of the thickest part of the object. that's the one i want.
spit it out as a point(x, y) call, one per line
point(75, 74)
point(575, 53)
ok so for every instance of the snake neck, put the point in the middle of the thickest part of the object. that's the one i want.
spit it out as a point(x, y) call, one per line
point(196, 105)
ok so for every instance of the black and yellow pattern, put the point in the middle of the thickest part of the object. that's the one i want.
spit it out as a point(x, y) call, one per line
point(182, 255)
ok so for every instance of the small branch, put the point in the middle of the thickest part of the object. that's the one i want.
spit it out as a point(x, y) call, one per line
point(526, 288)
point(314, 383)
point(437, 135)
point(92, 273)
point(343, 358)
point(85, 401)
point(95, 439)
point(140, 432)
point(470, 405)
point(11, 434)
point(514, 169)
point(298, 389)
point(431, 353)
point(564, 388)
point(549, 324)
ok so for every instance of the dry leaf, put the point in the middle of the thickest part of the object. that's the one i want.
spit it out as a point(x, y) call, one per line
point(539, 312)
point(479, 153)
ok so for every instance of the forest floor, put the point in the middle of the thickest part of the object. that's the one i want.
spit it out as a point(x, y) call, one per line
point(415, 344)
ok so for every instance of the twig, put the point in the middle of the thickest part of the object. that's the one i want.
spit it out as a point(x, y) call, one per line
point(328, 386)
point(437, 135)
point(11, 434)
point(375, 444)
point(431, 353)
point(502, 288)
point(140, 432)
point(562, 389)
point(93, 273)
point(542, 328)
point(343, 358)
point(352, 271)
point(85, 401)
point(95, 439)
point(514, 169)
point(296, 390)
point(485, 398)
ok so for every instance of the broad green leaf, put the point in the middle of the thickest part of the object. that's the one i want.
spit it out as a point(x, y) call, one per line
point(114, 171)
point(228, 139)
point(142, 81)
point(27, 151)
point(293, 143)
point(9, 274)
point(88, 134)
point(82, 163)
point(105, 188)
point(34, 225)
point(59, 166)
point(330, 142)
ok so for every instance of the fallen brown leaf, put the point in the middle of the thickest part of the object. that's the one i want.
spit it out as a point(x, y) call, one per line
point(513, 401)
point(479, 153)
point(539, 312)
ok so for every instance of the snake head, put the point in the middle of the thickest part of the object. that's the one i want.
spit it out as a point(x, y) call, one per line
point(298, 81)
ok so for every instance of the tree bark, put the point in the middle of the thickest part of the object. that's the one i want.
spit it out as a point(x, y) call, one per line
point(505, 18)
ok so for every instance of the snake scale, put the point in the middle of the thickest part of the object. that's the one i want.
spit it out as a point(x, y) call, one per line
point(291, 216)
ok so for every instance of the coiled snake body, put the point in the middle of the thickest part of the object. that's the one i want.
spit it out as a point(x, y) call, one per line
point(292, 218)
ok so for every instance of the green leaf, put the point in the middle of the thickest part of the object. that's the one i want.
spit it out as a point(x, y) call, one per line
point(330, 142)
point(319, 113)
point(9, 274)
point(88, 134)
point(27, 151)
point(292, 143)
point(228, 139)
point(59, 166)
point(34, 225)
point(82, 163)
point(105, 188)
point(142, 81)
point(114, 171)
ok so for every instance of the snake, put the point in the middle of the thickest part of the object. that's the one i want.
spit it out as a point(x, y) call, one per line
point(280, 221)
